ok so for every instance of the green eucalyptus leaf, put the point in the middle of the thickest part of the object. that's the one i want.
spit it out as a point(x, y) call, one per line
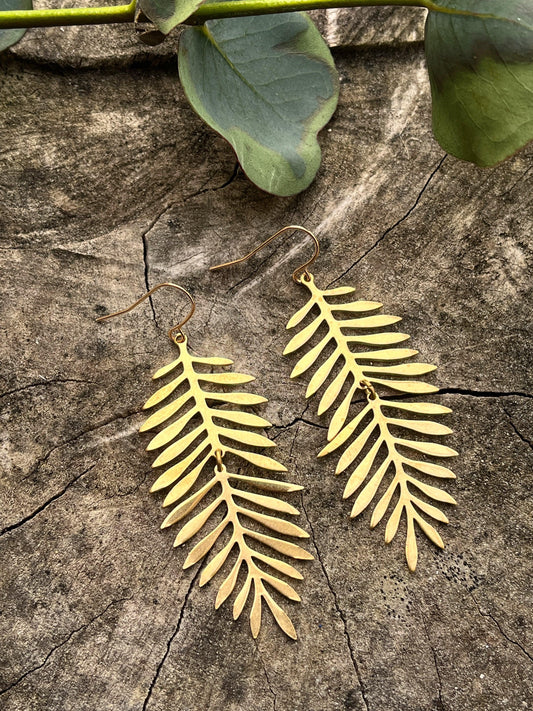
point(11, 37)
point(480, 62)
point(166, 14)
point(267, 84)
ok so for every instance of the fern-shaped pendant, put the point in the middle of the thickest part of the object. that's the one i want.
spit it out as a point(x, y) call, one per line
point(190, 453)
point(371, 436)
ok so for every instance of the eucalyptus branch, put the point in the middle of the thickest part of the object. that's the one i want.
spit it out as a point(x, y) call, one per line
point(18, 19)
point(58, 17)
point(243, 8)
point(479, 63)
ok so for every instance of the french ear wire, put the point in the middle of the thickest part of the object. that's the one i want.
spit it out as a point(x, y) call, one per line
point(299, 272)
point(175, 333)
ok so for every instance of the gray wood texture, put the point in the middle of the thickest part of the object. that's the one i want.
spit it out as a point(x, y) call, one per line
point(111, 184)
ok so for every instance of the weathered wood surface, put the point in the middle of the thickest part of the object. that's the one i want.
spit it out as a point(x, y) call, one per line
point(109, 184)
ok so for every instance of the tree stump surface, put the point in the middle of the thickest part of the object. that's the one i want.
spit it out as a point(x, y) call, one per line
point(111, 184)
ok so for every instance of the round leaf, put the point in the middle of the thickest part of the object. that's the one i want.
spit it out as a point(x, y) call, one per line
point(11, 37)
point(480, 62)
point(267, 84)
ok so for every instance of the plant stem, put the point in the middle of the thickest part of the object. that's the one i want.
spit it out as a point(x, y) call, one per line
point(242, 8)
point(18, 19)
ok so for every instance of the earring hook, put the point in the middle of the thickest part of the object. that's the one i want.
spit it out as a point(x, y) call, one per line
point(297, 273)
point(175, 333)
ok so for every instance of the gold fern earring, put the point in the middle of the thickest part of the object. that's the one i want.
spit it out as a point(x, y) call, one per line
point(361, 356)
point(207, 429)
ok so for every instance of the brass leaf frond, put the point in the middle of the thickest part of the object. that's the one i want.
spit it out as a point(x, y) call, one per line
point(372, 426)
point(188, 455)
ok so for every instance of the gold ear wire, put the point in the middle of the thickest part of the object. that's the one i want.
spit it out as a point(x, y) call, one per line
point(175, 333)
point(299, 272)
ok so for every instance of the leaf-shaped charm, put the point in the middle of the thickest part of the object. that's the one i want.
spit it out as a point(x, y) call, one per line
point(193, 440)
point(373, 451)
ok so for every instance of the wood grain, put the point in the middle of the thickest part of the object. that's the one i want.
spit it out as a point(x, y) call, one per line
point(111, 184)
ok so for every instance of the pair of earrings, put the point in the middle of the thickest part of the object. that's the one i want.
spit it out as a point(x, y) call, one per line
point(206, 423)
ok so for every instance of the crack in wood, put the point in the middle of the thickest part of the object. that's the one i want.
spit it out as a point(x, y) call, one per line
point(390, 229)
point(269, 684)
point(47, 503)
point(44, 383)
point(225, 184)
point(42, 460)
point(297, 420)
point(524, 439)
point(146, 276)
point(435, 661)
point(169, 642)
point(362, 686)
point(62, 644)
point(146, 266)
point(499, 627)
point(483, 393)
